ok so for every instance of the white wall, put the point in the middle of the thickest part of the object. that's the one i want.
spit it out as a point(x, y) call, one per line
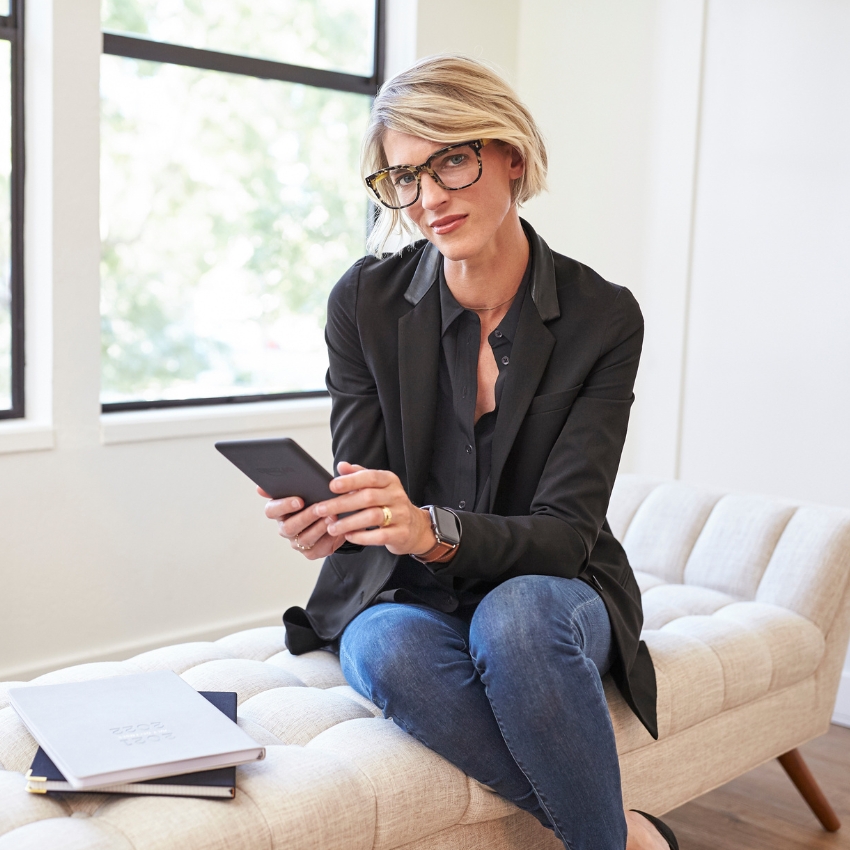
point(767, 395)
point(483, 29)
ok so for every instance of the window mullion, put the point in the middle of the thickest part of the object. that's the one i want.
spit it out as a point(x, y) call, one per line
point(133, 47)
point(17, 198)
point(11, 28)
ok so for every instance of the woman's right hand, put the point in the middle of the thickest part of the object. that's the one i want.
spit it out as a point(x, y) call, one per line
point(305, 532)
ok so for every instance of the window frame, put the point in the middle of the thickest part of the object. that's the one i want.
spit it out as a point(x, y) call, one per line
point(139, 47)
point(12, 30)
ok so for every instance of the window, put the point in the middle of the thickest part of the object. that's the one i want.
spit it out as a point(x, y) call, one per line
point(11, 210)
point(230, 193)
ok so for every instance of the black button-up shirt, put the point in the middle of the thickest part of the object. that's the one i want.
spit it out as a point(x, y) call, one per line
point(459, 474)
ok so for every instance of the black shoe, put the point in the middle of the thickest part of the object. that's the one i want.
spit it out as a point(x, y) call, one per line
point(666, 832)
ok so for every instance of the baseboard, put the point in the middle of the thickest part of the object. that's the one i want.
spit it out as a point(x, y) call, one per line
point(841, 716)
point(122, 651)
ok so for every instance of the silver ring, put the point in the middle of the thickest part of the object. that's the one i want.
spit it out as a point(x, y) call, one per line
point(302, 548)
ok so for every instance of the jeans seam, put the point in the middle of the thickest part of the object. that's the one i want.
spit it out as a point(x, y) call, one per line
point(578, 608)
point(555, 823)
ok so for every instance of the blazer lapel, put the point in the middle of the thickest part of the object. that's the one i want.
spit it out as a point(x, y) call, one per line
point(418, 371)
point(530, 354)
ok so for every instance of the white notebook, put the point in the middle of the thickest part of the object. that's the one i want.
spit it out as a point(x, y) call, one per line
point(130, 728)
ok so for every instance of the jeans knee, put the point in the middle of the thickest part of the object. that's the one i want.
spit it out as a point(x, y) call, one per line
point(381, 651)
point(520, 617)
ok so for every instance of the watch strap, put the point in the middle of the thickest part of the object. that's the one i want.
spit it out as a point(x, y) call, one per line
point(442, 550)
point(437, 554)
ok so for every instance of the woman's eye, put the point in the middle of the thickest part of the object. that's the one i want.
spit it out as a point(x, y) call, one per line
point(452, 160)
point(404, 179)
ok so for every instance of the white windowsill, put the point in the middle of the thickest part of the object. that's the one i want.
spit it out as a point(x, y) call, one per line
point(19, 435)
point(176, 422)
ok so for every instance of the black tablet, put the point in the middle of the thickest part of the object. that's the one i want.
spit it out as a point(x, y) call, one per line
point(281, 467)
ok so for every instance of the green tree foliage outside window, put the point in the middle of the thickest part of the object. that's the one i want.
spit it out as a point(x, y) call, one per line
point(230, 205)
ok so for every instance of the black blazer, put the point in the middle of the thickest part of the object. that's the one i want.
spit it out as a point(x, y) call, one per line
point(556, 447)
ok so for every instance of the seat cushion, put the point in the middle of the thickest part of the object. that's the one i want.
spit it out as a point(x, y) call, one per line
point(336, 775)
point(713, 651)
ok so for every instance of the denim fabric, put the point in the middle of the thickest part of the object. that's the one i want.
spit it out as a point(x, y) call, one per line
point(510, 693)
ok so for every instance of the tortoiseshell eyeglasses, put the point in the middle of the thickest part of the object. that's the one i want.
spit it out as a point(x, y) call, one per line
point(453, 167)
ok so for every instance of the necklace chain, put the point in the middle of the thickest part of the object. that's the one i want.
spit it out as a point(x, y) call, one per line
point(487, 309)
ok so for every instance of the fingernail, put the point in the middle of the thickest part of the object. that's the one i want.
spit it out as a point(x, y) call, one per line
point(332, 529)
point(295, 503)
point(321, 510)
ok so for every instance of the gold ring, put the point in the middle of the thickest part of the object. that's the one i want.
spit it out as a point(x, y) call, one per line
point(299, 546)
point(388, 516)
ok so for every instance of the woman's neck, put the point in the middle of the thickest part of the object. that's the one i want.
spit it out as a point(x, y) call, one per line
point(491, 278)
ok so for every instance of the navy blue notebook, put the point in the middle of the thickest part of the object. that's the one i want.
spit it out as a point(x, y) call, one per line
point(44, 777)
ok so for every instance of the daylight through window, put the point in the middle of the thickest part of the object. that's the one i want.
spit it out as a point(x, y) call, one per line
point(230, 193)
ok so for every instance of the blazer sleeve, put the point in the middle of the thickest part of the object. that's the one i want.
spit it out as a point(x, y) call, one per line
point(571, 499)
point(357, 422)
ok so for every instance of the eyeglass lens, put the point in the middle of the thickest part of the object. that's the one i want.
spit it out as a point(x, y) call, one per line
point(455, 169)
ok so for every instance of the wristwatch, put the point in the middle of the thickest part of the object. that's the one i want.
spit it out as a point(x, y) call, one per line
point(447, 529)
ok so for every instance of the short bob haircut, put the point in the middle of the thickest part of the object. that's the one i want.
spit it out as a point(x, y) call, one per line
point(449, 99)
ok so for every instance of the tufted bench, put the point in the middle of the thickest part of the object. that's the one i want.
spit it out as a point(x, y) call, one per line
point(747, 605)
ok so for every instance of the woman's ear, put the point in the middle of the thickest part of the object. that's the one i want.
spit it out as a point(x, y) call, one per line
point(517, 167)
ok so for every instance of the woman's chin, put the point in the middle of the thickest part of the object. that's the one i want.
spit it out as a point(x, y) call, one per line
point(457, 248)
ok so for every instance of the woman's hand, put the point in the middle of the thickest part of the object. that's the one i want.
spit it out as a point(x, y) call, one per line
point(304, 529)
point(368, 492)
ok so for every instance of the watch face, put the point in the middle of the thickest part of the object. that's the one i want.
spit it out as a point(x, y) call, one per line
point(446, 525)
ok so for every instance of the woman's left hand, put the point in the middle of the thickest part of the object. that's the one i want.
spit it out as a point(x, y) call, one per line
point(368, 492)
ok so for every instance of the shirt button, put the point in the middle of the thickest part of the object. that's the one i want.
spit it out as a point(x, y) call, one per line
point(506, 360)
point(498, 334)
point(461, 504)
point(469, 450)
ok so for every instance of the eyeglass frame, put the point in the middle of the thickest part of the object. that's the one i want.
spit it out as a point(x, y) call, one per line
point(373, 179)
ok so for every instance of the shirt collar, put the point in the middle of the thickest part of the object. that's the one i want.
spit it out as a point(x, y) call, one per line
point(543, 285)
point(451, 309)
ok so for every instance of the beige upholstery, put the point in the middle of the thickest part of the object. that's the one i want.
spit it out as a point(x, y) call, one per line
point(747, 604)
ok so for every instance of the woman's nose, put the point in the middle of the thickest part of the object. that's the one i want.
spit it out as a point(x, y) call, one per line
point(431, 193)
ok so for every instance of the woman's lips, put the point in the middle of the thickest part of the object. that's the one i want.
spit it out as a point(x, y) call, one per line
point(447, 224)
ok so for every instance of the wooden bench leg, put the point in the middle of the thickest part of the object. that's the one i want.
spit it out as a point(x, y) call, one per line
point(807, 785)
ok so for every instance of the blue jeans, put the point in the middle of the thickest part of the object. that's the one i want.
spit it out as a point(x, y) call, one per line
point(510, 694)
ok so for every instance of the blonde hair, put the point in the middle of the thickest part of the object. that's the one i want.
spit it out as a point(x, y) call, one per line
point(449, 99)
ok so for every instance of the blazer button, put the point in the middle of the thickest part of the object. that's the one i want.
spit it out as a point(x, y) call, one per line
point(461, 504)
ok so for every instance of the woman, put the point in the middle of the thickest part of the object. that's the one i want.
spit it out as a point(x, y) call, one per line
point(488, 379)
